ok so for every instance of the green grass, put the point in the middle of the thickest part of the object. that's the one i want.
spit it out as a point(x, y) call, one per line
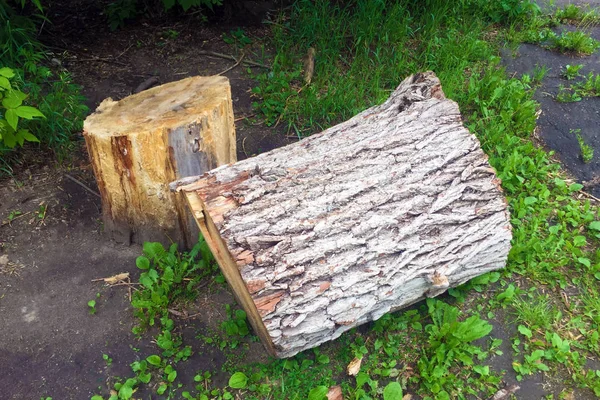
point(536, 311)
point(364, 49)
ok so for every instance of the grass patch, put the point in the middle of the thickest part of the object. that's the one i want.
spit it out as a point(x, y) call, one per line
point(365, 49)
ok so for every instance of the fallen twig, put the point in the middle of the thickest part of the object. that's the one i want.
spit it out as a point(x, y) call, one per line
point(228, 57)
point(177, 313)
point(590, 196)
point(244, 117)
point(233, 66)
point(124, 51)
point(83, 185)
point(17, 217)
point(129, 287)
point(131, 284)
point(193, 315)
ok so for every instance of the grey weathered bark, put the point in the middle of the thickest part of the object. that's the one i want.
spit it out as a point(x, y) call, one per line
point(394, 205)
point(139, 144)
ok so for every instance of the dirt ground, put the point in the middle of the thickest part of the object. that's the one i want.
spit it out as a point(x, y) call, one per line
point(51, 241)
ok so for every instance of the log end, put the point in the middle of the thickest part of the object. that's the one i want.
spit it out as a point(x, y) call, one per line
point(173, 104)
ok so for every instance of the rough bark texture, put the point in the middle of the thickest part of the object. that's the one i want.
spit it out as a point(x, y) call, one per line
point(397, 204)
point(139, 144)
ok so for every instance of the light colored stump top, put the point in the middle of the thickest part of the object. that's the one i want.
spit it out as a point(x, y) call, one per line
point(167, 106)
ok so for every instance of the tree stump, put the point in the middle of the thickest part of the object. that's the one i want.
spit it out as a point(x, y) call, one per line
point(394, 205)
point(141, 143)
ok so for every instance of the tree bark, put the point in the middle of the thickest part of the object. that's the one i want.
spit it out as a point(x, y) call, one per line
point(139, 144)
point(394, 205)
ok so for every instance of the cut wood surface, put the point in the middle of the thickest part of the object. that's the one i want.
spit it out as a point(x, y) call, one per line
point(394, 205)
point(141, 143)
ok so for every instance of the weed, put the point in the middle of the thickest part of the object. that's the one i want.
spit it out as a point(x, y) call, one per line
point(586, 151)
point(532, 363)
point(568, 12)
point(92, 306)
point(567, 95)
point(572, 13)
point(238, 38)
point(107, 359)
point(170, 34)
point(168, 277)
point(235, 326)
point(13, 214)
point(574, 41)
point(449, 345)
point(119, 11)
point(590, 87)
point(41, 211)
point(571, 71)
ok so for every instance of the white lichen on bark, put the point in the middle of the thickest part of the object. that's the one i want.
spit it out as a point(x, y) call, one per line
point(394, 205)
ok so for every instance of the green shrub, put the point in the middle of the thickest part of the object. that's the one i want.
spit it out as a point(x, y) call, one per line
point(54, 95)
point(12, 109)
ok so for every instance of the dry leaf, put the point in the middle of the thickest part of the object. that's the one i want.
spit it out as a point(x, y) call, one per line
point(407, 397)
point(111, 280)
point(335, 393)
point(354, 366)
point(3, 260)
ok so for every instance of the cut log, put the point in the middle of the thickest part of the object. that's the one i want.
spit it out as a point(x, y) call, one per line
point(397, 204)
point(141, 143)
